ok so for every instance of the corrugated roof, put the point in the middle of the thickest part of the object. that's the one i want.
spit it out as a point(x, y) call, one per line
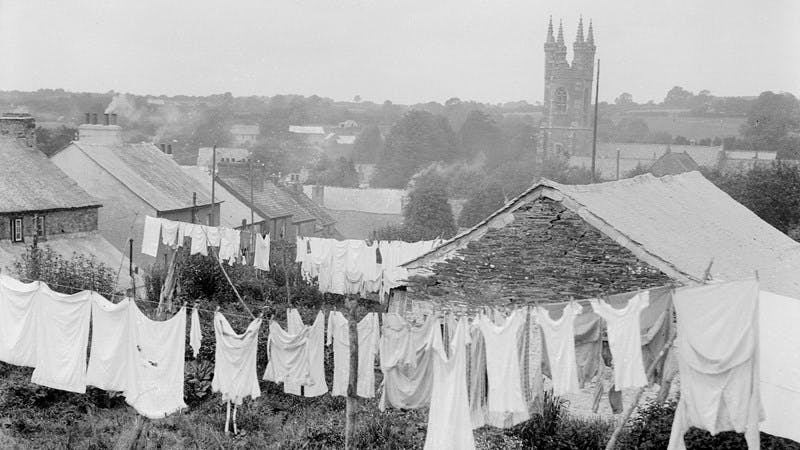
point(270, 200)
point(673, 164)
point(232, 210)
point(306, 129)
point(676, 223)
point(31, 182)
point(149, 173)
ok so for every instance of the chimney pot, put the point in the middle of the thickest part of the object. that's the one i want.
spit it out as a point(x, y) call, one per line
point(88, 118)
point(113, 119)
point(105, 116)
point(163, 148)
point(94, 118)
point(169, 149)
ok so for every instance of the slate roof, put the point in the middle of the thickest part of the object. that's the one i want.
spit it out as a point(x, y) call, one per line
point(320, 214)
point(704, 155)
point(31, 182)
point(269, 200)
point(360, 225)
point(232, 210)
point(676, 223)
point(306, 129)
point(672, 164)
point(149, 173)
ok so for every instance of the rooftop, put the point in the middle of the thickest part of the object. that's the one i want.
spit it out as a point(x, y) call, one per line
point(30, 182)
point(232, 210)
point(245, 129)
point(269, 200)
point(306, 129)
point(672, 164)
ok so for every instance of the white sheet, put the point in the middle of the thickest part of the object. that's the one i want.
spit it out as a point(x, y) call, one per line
point(108, 358)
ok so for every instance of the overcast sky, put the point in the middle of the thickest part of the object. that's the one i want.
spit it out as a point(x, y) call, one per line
point(406, 51)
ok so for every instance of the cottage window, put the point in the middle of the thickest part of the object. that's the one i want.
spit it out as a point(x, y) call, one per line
point(16, 230)
point(40, 229)
point(560, 100)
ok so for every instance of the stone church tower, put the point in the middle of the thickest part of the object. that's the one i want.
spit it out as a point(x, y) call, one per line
point(567, 123)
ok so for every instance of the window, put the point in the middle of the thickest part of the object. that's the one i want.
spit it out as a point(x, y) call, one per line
point(40, 229)
point(560, 100)
point(16, 230)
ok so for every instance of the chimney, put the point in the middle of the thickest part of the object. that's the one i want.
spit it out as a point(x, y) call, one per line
point(318, 194)
point(93, 133)
point(113, 119)
point(169, 149)
point(19, 125)
point(163, 148)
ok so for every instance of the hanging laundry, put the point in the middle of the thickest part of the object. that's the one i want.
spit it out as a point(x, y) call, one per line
point(477, 377)
point(200, 241)
point(288, 356)
point(559, 340)
point(169, 232)
point(184, 230)
point(353, 265)
point(532, 365)
point(195, 332)
point(407, 362)
point(449, 425)
point(108, 359)
point(229, 244)
point(779, 347)
point(152, 231)
point(261, 259)
point(62, 339)
point(624, 339)
point(339, 337)
point(718, 361)
point(588, 345)
point(156, 356)
point(502, 366)
point(235, 375)
point(316, 354)
point(18, 321)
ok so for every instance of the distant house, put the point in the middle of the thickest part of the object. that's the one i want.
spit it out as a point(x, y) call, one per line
point(614, 160)
point(359, 212)
point(40, 202)
point(245, 135)
point(233, 213)
point(285, 215)
point(224, 154)
point(672, 163)
point(313, 135)
point(132, 181)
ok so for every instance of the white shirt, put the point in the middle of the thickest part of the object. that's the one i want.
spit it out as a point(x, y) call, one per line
point(624, 339)
point(18, 321)
point(502, 364)
point(339, 336)
point(235, 374)
point(559, 337)
point(195, 332)
point(315, 352)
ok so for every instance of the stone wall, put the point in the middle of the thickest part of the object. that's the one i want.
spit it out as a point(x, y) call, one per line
point(547, 254)
point(55, 222)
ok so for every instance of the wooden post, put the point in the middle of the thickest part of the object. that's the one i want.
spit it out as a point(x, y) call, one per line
point(213, 182)
point(613, 441)
point(286, 274)
point(352, 386)
point(130, 266)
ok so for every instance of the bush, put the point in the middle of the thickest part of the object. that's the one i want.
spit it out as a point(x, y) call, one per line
point(65, 275)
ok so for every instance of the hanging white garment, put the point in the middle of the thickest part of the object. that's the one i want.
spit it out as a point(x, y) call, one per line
point(353, 275)
point(779, 347)
point(339, 336)
point(169, 232)
point(214, 236)
point(502, 366)
point(337, 267)
point(230, 242)
point(261, 259)
point(235, 374)
point(624, 339)
point(152, 231)
point(316, 354)
point(18, 321)
point(195, 332)
point(407, 362)
point(559, 338)
point(62, 339)
point(288, 356)
point(156, 351)
point(449, 425)
point(718, 361)
point(370, 270)
point(108, 359)
point(300, 250)
point(184, 230)
point(200, 242)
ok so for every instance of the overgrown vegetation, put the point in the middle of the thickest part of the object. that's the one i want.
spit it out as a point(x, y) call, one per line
point(64, 274)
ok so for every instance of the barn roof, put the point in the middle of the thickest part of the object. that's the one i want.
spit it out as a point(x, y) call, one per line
point(676, 223)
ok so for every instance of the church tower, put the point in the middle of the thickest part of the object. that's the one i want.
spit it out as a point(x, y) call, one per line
point(567, 124)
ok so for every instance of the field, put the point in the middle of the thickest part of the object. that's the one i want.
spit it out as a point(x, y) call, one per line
point(694, 127)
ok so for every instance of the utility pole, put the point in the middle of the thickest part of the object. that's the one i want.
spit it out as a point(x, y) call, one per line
point(130, 266)
point(352, 386)
point(213, 181)
point(252, 215)
point(594, 137)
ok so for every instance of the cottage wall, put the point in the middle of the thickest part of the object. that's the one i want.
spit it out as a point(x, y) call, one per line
point(548, 253)
point(55, 222)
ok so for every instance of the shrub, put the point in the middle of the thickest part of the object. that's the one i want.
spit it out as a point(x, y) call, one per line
point(197, 378)
point(65, 275)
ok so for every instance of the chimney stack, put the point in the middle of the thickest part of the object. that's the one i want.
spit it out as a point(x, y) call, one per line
point(88, 118)
point(94, 118)
point(169, 149)
point(113, 119)
point(163, 148)
point(105, 116)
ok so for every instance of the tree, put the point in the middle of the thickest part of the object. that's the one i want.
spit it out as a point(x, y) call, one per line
point(770, 119)
point(485, 202)
point(479, 134)
point(415, 141)
point(678, 97)
point(367, 147)
point(50, 141)
point(427, 213)
point(624, 99)
point(341, 172)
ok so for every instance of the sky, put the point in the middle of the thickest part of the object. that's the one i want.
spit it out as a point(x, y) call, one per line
point(408, 51)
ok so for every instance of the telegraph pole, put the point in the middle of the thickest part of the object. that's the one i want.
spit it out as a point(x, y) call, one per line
point(594, 137)
point(213, 181)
